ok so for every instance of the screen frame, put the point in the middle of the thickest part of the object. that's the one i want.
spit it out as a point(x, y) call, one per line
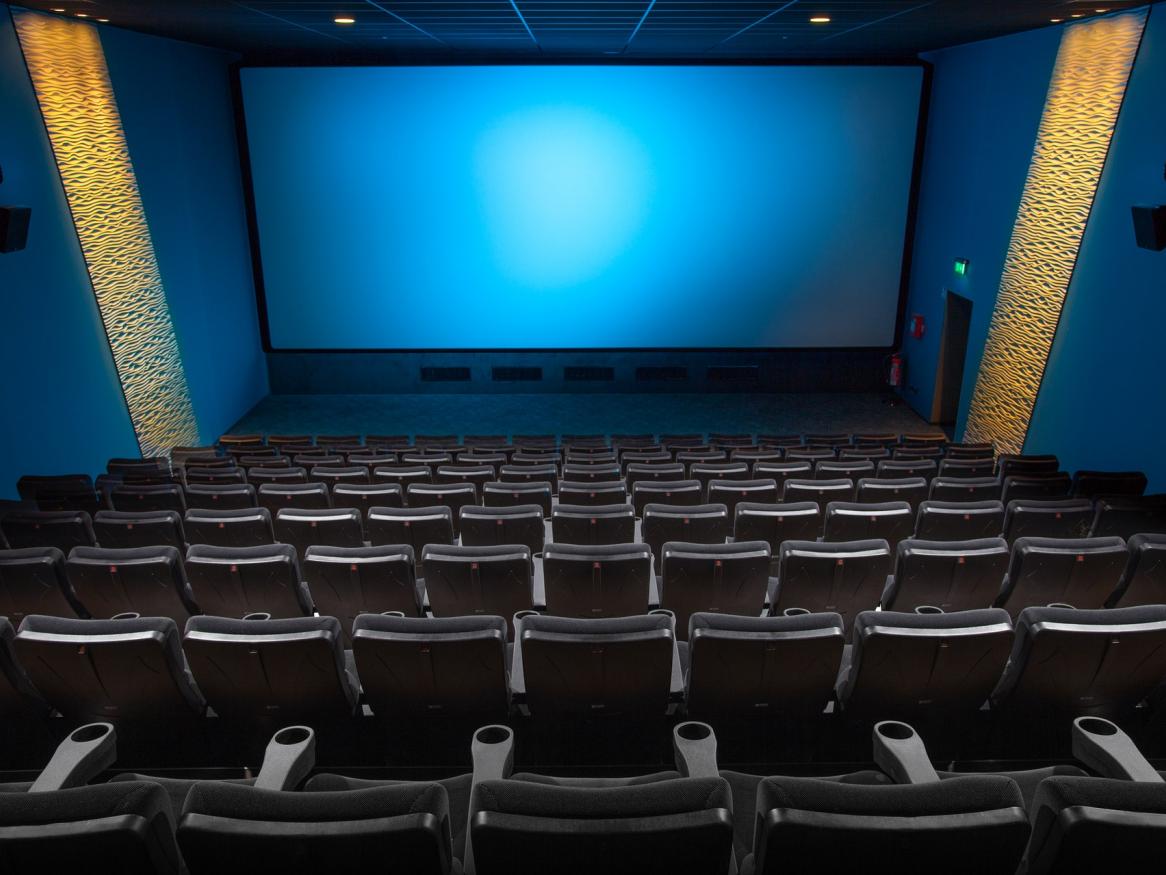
point(905, 262)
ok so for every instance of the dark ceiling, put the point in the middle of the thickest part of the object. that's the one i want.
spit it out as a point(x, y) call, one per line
point(397, 31)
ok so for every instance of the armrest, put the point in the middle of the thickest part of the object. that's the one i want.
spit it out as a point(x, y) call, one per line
point(517, 676)
point(1109, 752)
point(85, 753)
point(290, 756)
point(493, 753)
point(695, 746)
point(899, 751)
point(676, 685)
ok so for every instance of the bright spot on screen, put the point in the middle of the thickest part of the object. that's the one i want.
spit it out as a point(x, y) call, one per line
point(564, 191)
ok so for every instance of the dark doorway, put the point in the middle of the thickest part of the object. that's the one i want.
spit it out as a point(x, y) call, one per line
point(953, 350)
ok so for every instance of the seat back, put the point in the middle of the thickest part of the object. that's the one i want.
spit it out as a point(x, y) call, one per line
point(236, 527)
point(1081, 572)
point(965, 489)
point(346, 582)
point(775, 523)
point(967, 825)
point(681, 825)
point(901, 468)
point(332, 527)
point(499, 494)
point(545, 472)
point(955, 468)
point(364, 496)
point(959, 520)
point(236, 581)
point(730, 493)
point(598, 493)
point(590, 525)
point(1009, 464)
point(415, 526)
point(33, 581)
point(949, 575)
point(492, 526)
point(1144, 580)
point(149, 581)
point(455, 496)
point(129, 669)
point(290, 669)
point(912, 490)
point(1068, 662)
point(846, 469)
point(1127, 516)
point(892, 521)
point(300, 496)
point(700, 524)
point(235, 828)
point(128, 529)
point(713, 578)
point(472, 581)
point(1094, 484)
point(610, 669)
point(122, 828)
point(412, 668)
point(1048, 518)
point(843, 578)
point(822, 492)
point(612, 580)
point(404, 475)
point(63, 529)
point(1036, 486)
point(135, 497)
point(676, 492)
point(928, 668)
point(229, 496)
point(761, 667)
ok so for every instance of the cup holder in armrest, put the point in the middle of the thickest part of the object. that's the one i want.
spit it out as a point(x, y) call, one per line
point(289, 758)
point(126, 615)
point(493, 753)
point(1061, 605)
point(899, 751)
point(400, 614)
point(257, 615)
point(1103, 747)
point(695, 746)
point(662, 612)
point(83, 755)
point(795, 612)
point(928, 609)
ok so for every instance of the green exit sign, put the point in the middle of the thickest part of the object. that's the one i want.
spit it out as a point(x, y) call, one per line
point(961, 267)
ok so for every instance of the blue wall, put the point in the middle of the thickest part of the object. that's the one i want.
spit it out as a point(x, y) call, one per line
point(986, 104)
point(1103, 401)
point(176, 108)
point(63, 409)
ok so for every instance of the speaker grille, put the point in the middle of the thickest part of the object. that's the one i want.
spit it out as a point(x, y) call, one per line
point(588, 374)
point(445, 375)
point(515, 375)
point(734, 373)
point(668, 372)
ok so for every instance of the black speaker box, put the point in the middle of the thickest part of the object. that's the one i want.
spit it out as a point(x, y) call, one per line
point(1150, 227)
point(14, 228)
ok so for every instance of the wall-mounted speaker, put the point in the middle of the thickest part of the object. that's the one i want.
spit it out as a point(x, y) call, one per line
point(14, 228)
point(1150, 227)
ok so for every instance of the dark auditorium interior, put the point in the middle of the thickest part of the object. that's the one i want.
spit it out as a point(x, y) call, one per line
point(405, 400)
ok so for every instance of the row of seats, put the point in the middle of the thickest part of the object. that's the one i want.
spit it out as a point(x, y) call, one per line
point(902, 816)
point(936, 668)
point(607, 580)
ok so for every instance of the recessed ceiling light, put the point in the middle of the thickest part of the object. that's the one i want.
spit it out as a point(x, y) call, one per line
point(820, 19)
point(1099, 11)
point(82, 14)
point(56, 10)
point(1056, 20)
point(104, 20)
point(1077, 15)
point(344, 20)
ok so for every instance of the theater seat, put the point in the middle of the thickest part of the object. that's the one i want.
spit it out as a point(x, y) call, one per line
point(844, 578)
point(949, 575)
point(687, 493)
point(1144, 580)
point(595, 524)
point(148, 581)
point(959, 520)
point(1094, 484)
point(608, 580)
point(498, 494)
point(775, 523)
point(236, 581)
point(713, 578)
point(1126, 516)
point(600, 493)
point(455, 496)
point(730, 493)
point(1048, 518)
point(821, 492)
point(493, 526)
point(238, 527)
point(415, 526)
point(471, 581)
point(346, 582)
point(286, 669)
point(331, 527)
point(912, 490)
point(892, 521)
point(749, 668)
point(698, 523)
point(300, 496)
point(129, 529)
point(229, 497)
point(422, 668)
point(965, 489)
point(63, 529)
point(1080, 572)
point(131, 669)
point(146, 498)
point(33, 581)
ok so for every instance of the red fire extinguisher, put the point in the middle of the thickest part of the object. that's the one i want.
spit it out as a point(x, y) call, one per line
point(895, 375)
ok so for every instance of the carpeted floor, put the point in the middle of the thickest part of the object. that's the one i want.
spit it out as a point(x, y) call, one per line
point(579, 414)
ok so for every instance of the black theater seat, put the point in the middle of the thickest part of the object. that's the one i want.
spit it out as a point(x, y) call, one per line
point(147, 498)
point(346, 582)
point(965, 489)
point(713, 578)
point(236, 581)
point(470, 581)
point(131, 669)
point(1079, 572)
point(775, 523)
point(844, 578)
point(537, 473)
point(63, 529)
point(215, 476)
point(769, 668)
point(912, 490)
point(959, 520)
point(1048, 518)
point(606, 580)
point(899, 468)
point(1144, 580)
point(414, 526)
point(494, 526)
point(127, 529)
point(780, 472)
point(1036, 486)
point(365, 496)
point(300, 496)
point(148, 581)
point(479, 475)
point(455, 496)
point(1095, 484)
point(1067, 663)
point(730, 493)
point(820, 491)
point(1008, 465)
point(598, 493)
point(498, 494)
point(331, 475)
point(674, 492)
point(240, 527)
point(961, 468)
point(1126, 516)
point(638, 472)
point(229, 497)
point(330, 526)
point(891, 521)
point(589, 525)
point(276, 476)
point(698, 523)
point(286, 669)
point(937, 669)
point(417, 668)
point(949, 575)
point(33, 581)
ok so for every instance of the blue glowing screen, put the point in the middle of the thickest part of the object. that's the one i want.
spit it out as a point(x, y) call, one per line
point(581, 207)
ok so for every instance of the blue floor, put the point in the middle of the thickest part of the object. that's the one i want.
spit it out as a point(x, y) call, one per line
point(579, 414)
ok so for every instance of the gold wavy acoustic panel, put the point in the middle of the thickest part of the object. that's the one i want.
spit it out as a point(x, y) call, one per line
point(1085, 95)
point(71, 80)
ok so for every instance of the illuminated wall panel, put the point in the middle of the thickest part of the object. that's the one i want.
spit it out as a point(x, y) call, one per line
point(67, 66)
point(1085, 95)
